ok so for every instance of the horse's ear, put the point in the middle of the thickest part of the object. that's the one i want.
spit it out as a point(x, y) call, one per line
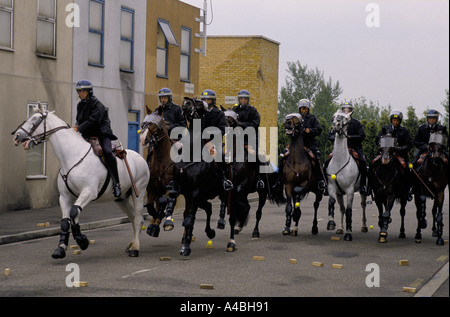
point(40, 107)
point(222, 108)
point(159, 110)
point(148, 110)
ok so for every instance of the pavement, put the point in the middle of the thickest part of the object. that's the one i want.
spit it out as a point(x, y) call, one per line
point(23, 225)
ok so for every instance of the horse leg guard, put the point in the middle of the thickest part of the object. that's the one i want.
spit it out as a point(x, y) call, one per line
point(331, 224)
point(60, 252)
point(171, 202)
point(440, 227)
point(348, 221)
point(188, 223)
point(221, 222)
point(287, 229)
point(81, 239)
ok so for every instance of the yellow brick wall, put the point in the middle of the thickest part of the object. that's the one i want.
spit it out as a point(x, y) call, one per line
point(234, 63)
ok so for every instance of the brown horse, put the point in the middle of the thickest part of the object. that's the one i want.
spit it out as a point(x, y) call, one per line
point(154, 133)
point(431, 180)
point(298, 175)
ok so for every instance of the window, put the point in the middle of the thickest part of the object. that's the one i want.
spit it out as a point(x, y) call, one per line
point(35, 157)
point(6, 24)
point(96, 32)
point(185, 58)
point(164, 37)
point(127, 40)
point(46, 28)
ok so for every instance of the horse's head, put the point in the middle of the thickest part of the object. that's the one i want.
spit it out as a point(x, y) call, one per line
point(153, 128)
point(231, 118)
point(341, 121)
point(437, 144)
point(32, 132)
point(293, 124)
point(387, 147)
point(194, 108)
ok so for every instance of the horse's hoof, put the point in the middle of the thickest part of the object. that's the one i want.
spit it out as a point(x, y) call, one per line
point(185, 250)
point(59, 253)
point(364, 229)
point(83, 242)
point(286, 231)
point(255, 234)
point(418, 241)
point(315, 230)
point(236, 231)
point(382, 239)
point(294, 233)
point(168, 225)
point(339, 231)
point(440, 241)
point(331, 225)
point(348, 237)
point(133, 253)
point(402, 235)
point(221, 224)
point(211, 233)
point(231, 247)
point(153, 231)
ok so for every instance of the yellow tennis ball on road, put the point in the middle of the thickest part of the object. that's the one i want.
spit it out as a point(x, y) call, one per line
point(410, 165)
point(297, 205)
point(333, 176)
point(209, 242)
point(371, 227)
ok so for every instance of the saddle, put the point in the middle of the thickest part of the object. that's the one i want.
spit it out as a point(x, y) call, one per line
point(118, 151)
point(352, 153)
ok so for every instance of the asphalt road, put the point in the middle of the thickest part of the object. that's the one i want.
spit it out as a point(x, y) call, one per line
point(110, 272)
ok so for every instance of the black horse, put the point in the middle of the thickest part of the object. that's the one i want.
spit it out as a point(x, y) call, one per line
point(197, 180)
point(245, 175)
point(390, 180)
point(431, 179)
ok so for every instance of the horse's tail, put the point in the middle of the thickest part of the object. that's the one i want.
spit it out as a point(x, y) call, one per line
point(276, 195)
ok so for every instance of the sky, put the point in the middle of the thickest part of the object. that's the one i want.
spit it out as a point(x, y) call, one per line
point(393, 52)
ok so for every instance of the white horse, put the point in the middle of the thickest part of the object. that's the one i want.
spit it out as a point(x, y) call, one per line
point(83, 177)
point(343, 178)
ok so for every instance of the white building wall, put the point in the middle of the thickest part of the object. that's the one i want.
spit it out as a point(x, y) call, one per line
point(119, 91)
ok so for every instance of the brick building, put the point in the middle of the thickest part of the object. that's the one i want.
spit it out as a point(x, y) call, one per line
point(234, 63)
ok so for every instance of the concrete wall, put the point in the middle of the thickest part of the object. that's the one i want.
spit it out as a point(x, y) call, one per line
point(26, 77)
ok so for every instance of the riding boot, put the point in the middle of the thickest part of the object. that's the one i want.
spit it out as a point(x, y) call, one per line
point(363, 170)
point(112, 166)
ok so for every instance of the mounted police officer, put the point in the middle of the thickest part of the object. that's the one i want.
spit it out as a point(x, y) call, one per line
point(92, 120)
point(215, 117)
point(395, 128)
point(422, 136)
point(312, 129)
point(404, 140)
point(172, 114)
point(355, 137)
point(248, 117)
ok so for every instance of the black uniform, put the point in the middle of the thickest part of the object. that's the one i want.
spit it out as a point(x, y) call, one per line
point(93, 121)
point(315, 128)
point(404, 141)
point(422, 137)
point(173, 115)
point(215, 118)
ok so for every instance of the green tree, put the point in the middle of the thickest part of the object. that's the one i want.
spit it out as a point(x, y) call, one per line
point(411, 122)
point(305, 83)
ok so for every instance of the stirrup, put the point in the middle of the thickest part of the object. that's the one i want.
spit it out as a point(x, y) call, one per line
point(117, 191)
point(260, 184)
point(322, 185)
point(227, 185)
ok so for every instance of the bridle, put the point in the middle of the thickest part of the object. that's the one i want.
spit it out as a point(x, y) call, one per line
point(342, 131)
point(41, 137)
point(157, 137)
